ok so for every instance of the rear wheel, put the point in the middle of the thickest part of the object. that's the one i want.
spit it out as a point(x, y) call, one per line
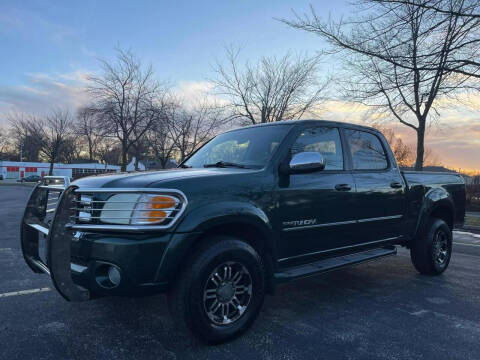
point(221, 291)
point(431, 252)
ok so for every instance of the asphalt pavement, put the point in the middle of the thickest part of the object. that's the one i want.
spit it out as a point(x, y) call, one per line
point(378, 310)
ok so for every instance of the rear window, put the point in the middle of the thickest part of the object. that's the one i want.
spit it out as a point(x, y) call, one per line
point(366, 150)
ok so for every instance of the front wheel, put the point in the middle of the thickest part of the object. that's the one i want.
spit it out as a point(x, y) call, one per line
point(431, 252)
point(220, 293)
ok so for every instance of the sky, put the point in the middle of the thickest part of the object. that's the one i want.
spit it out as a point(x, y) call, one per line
point(47, 49)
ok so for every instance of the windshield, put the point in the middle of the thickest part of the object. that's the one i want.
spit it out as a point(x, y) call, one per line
point(245, 148)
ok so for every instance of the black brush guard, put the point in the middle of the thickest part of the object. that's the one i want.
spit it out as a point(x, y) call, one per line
point(58, 236)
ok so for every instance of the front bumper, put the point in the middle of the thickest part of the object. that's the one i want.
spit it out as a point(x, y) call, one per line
point(136, 258)
point(79, 261)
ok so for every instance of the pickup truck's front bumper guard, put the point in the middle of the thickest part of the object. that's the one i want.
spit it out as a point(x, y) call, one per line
point(58, 239)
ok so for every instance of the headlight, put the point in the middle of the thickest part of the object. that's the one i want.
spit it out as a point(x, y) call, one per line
point(153, 209)
point(139, 209)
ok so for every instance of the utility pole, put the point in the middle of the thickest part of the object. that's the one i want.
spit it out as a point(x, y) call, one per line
point(21, 152)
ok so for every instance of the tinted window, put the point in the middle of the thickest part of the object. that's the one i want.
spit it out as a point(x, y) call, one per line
point(367, 151)
point(324, 140)
point(250, 147)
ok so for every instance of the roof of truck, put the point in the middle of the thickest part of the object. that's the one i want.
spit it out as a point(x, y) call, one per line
point(315, 121)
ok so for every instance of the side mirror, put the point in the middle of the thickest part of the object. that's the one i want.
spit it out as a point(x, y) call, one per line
point(305, 162)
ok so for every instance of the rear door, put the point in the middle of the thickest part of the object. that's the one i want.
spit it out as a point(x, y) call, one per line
point(380, 195)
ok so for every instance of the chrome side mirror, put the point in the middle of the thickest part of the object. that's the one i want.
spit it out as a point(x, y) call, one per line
point(308, 161)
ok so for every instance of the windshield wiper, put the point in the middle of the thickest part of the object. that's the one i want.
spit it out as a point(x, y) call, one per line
point(224, 164)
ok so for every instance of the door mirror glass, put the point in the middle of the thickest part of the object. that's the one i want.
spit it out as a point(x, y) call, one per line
point(306, 161)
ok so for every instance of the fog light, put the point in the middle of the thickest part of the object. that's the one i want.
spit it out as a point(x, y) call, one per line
point(114, 275)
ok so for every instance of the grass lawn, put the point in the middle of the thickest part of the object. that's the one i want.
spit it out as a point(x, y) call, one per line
point(472, 220)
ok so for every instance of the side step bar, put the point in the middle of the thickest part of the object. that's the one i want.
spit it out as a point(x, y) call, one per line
point(334, 263)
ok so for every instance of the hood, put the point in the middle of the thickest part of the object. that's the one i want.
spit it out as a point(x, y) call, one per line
point(151, 179)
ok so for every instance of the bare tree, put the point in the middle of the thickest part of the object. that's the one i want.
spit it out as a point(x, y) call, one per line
point(160, 142)
point(401, 58)
point(272, 89)
point(25, 133)
point(462, 8)
point(404, 154)
point(71, 151)
point(54, 132)
point(124, 99)
point(4, 140)
point(87, 127)
point(191, 127)
point(7, 148)
point(140, 146)
point(108, 151)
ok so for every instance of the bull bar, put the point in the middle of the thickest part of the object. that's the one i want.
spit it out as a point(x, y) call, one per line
point(57, 235)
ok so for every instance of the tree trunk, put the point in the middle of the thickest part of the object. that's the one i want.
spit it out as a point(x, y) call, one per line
point(124, 156)
point(50, 171)
point(420, 146)
point(163, 162)
point(90, 150)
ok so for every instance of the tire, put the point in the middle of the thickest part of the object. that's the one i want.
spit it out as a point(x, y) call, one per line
point(239, 294)
point(431, 252)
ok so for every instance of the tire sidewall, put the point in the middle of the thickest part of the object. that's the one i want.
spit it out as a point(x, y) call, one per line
point(439, 225)
point(228, 250)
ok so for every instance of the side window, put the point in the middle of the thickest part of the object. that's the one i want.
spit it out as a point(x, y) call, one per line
point(367, 150)
point(324, 140)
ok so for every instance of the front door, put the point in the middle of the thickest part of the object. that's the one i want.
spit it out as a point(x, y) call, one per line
point(315, 209)
point(380, 195)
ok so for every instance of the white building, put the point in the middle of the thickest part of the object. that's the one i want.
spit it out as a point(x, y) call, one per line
point(18, 170)
point(131, 165)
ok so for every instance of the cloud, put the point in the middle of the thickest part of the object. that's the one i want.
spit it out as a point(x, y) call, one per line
point(193, 90)
point(197, 91)
point(42, 92)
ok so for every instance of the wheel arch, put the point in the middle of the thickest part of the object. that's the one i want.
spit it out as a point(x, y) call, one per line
point(437, 203)
point(245, 222)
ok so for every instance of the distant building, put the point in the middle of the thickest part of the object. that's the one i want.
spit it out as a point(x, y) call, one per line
point(18, 170)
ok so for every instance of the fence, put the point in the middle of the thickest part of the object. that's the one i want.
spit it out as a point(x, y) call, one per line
point(472, 197)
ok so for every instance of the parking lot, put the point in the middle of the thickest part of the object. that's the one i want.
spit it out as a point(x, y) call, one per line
point(379, 310)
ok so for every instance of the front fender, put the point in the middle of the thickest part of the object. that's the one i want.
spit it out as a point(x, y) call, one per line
point(203, 219)
point(210, 215)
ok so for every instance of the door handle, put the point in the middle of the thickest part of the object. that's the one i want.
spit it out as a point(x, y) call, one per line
point(396, 185)
point(343, 187)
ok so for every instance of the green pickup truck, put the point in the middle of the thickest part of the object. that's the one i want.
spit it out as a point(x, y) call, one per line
point(252, 208)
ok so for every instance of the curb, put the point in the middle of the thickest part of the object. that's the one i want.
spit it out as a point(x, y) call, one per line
point(471, 228)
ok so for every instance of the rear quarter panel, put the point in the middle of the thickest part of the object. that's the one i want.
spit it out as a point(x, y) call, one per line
point(427, 191)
